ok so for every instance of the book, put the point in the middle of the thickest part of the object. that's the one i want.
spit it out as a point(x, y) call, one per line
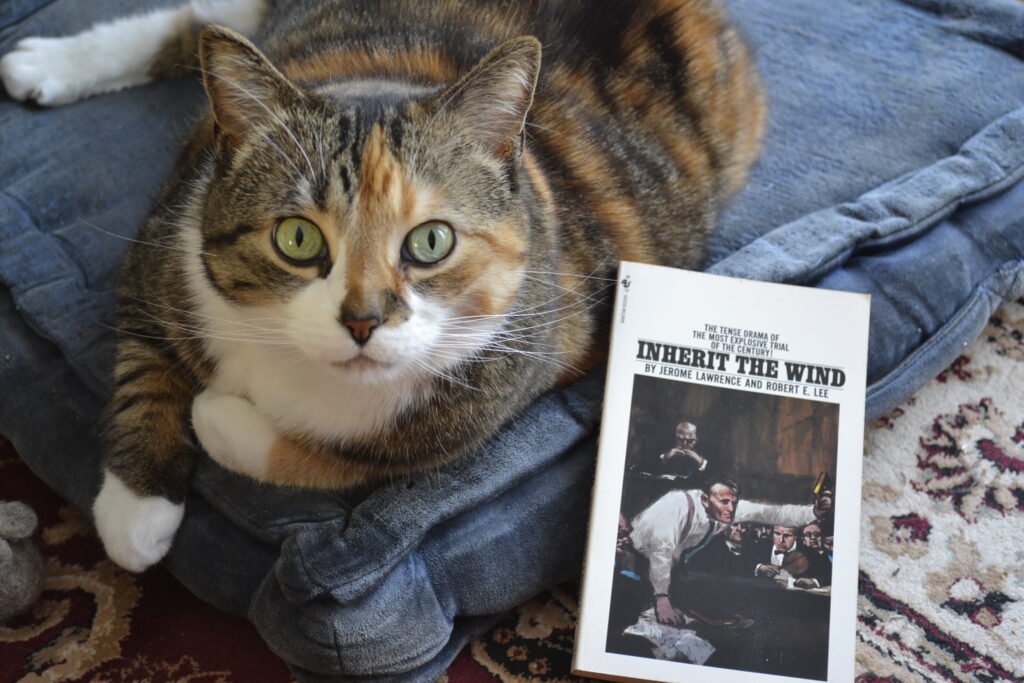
point(725, 516)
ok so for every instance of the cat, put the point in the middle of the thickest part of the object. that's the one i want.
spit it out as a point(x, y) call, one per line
point(396, 226)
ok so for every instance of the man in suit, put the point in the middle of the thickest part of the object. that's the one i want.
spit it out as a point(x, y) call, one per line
point(812, 542)
point(655, 473)
point(730, 554)
point(783, 542)
point(784, 556)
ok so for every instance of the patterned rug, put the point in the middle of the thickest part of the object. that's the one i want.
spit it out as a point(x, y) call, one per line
point(942, 564)
point(942, 524)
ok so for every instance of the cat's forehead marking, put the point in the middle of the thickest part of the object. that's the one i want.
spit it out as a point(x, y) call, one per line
point(418, 64)
point(388, 90)
point(385, 192)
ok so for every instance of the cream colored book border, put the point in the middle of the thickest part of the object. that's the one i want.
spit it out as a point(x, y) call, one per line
point(665, 304)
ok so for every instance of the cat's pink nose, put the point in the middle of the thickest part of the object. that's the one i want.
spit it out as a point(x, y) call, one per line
point(361, 329)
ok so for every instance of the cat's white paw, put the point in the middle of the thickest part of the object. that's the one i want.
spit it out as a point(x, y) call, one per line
point(112, 55)
point(25, 70)
point(136, 532)
point(55, 71)
point(107, 57)
point(233, 432)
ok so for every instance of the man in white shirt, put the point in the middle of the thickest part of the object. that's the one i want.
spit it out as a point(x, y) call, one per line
point(680, 523)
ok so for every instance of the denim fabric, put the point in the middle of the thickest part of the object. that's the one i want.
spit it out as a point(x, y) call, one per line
point(892, 166)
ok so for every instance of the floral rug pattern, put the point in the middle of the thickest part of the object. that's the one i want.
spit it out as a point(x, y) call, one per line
point(942, 522)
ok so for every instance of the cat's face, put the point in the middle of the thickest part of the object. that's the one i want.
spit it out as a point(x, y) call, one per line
point(376, 235)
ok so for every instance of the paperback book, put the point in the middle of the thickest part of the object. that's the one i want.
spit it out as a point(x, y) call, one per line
point(724, 523)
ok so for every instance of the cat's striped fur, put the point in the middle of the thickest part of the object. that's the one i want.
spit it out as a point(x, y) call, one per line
point(642, 120)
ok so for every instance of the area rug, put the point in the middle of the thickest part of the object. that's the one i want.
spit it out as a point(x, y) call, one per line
point(941, 583)
point(942, 523)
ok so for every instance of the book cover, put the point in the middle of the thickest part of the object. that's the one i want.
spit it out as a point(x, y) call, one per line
point(724, 522)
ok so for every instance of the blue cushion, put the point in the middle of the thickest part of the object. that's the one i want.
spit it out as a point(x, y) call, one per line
point(892, 166)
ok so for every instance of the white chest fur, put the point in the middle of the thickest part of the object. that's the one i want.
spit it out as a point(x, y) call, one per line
point(300, 395)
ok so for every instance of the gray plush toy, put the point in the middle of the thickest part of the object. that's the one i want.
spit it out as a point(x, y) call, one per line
point(21, 564)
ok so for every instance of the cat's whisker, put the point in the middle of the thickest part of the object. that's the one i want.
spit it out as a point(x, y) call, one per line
point(494, 347)
point(545, 128)
point(189, 332)
point(143, 335)
point(319, 132)
point(587, 303)
point(198, 314)
point(503, 350)
point(257, 334)
point(530, 311)
point(574, 275)
point(556, 321)
point(580, 281)
point(486, 341)
point(527, 312)
point(438, 372)
point(158, 245)
point(544, 357)
point(195, 335)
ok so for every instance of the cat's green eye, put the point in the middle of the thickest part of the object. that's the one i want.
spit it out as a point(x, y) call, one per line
point(429, 242)
point(298, 241)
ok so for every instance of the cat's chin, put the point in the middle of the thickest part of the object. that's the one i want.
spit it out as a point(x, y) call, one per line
point(365, 369)
point(361, 364)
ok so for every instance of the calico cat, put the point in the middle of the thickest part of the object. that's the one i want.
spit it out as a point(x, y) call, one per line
point(397, 225)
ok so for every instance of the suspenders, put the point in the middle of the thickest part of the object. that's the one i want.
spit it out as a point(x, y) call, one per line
point(690, 552)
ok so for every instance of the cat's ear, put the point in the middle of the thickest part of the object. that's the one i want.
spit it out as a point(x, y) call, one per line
point(246, 91)
point(492, 100)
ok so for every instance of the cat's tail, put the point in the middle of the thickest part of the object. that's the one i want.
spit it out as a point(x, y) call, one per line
point(121, 53)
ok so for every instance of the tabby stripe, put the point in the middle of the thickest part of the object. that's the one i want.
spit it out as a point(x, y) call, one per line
point(211, 278)
point(343, 141)
point(227, 239)
point(671, 71)
point(243, 284)
point(139, 332)
point(355, 152)
point(397, 133)
point(131, 432)
point(325, 267)
point(189, 356)
point(137, 373)
point(123, 403)
point(127, 354)
point(166, 475)
point(122, 453)
point(320, 184)
point(344, 127)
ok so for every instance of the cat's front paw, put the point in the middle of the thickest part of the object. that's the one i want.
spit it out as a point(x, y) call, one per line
point(136, 531)
point(55, 71)
point(51, 71)
point(233, 432)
